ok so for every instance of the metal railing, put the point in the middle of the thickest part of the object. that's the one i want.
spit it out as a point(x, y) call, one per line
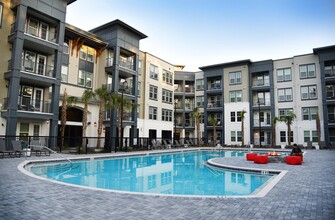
point(128, 64)
point(30, 105)
point(34, 67)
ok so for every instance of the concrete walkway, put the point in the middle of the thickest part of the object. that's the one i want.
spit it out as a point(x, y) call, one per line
point(305, 192)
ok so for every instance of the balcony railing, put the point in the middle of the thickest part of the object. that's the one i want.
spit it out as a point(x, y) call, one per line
point(189, 123)
point(123, 63)
point(262, 102)
point(30, 105)
point(258, 83)
point(329, 72)
point(179, 89)
point(47, 35)
point(214, 87)
point(35, 67)
point(189, 106)
point(214, 104)
point(263, 123)
point(127, 116)
point(189, 90)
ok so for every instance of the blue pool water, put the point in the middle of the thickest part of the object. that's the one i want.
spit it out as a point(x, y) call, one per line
point(183, 173)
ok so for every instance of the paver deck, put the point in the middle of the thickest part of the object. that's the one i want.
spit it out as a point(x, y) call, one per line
point(305, 192)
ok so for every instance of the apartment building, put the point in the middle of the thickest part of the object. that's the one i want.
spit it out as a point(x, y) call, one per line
point(32, 36)
point(42, 56)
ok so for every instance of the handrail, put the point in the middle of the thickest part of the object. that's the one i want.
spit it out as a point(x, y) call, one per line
point(39, 146)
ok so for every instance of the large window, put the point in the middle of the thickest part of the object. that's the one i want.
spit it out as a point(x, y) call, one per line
point(309, 134)
point(283, 112)
point(285, 95)
point(283, 136)
point(235, 96)
point(153, 92)
point(85, 79)
point(64, 73)
point(87, 53)
point(153, 72)
point(152, 113)
point(284, 75)
point(308, 92)
point(139, 67)
point(166, 96)
point(167, 77)
point(235, 136)
point(307, 71)
point(200, 101)
point(309, 113)
point(24, 129)
point(200, 84)
point(235, 78)
point(232, 117)
point(166, 115)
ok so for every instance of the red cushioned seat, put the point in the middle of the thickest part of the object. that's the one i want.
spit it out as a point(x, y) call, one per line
point(250, 156)
point(261, 159)
point(294, 160)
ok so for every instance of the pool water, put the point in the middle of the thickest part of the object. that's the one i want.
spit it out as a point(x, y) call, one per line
point(183, 173)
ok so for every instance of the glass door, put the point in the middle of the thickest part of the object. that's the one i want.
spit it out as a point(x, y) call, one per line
point(41, 64)
point(44, 30)
point(27, 93)
point(38, 99)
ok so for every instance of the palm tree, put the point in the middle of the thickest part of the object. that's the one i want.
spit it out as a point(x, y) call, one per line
point(197, 116)
point(318, 128)
point(242, 125)
point(213, 120)
point(274, 122)
point(87, 95)
point(115, 101)
point(66, 101)
point(103, 96)
point(288, 119)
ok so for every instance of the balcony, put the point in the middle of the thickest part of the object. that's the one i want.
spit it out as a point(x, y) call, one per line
point(216, 104)
point(264, 122)
point(189, 106)
point(189, 124)
point(189, 90)
point(260, 82)
point(329, 71)
point(215, 86)
point(42, 32)
point(30, 105)
point(34, 67)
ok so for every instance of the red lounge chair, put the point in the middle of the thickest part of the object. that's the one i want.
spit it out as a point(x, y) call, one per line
point(251, 156)
point(294, 160)
point(261, 159)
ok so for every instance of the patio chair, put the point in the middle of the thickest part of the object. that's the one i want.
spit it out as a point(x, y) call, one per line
point(38, 148)
point(17, 147)
point(177, 144)
point(3, 151)
point(166, 144)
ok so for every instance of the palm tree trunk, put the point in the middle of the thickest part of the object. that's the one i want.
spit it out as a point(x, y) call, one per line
point(242, 131)
point(214, 133)
point(198, 131)
point(63, 119)
point(289, 133)
point(318, 128)
point(84, 127)
point(119, 126)
point(273, 135)
point(101, 111)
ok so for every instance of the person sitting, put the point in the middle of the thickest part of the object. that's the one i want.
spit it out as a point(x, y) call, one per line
point(296, 151)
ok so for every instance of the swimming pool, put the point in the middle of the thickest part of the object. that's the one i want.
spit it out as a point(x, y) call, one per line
point(182, 173)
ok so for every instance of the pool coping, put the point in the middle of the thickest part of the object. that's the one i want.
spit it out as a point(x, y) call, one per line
point(260, 192)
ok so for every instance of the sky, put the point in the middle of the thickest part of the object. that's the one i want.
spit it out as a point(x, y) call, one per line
point(198, 33)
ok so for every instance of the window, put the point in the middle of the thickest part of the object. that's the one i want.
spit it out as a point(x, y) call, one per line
point(153, 92)
point(239, 118)
point(239, 136)
point(309, 113)
point(1, 9)
point(306, 136)
point(285, 95)
point(85, 79)
point(139, 67)
point(167, 77)
point(66, 47)
point(314, 136)
point(329, 69)
point(308, 92)
point(232, 136)
point(284, 111)
point(153, 72)
point(24, 129)
point(166, 115)
point(166, 96)
point(307, 71)
point(235, 78)
point(284, 75)
point(235, 96)
point(200, 84)
point(86, 53)
point(283, 136)
point(232, 116)
point(152, 113)
point(64, 73)
point(200, 101)
point(331, 114)
point(166, 178)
